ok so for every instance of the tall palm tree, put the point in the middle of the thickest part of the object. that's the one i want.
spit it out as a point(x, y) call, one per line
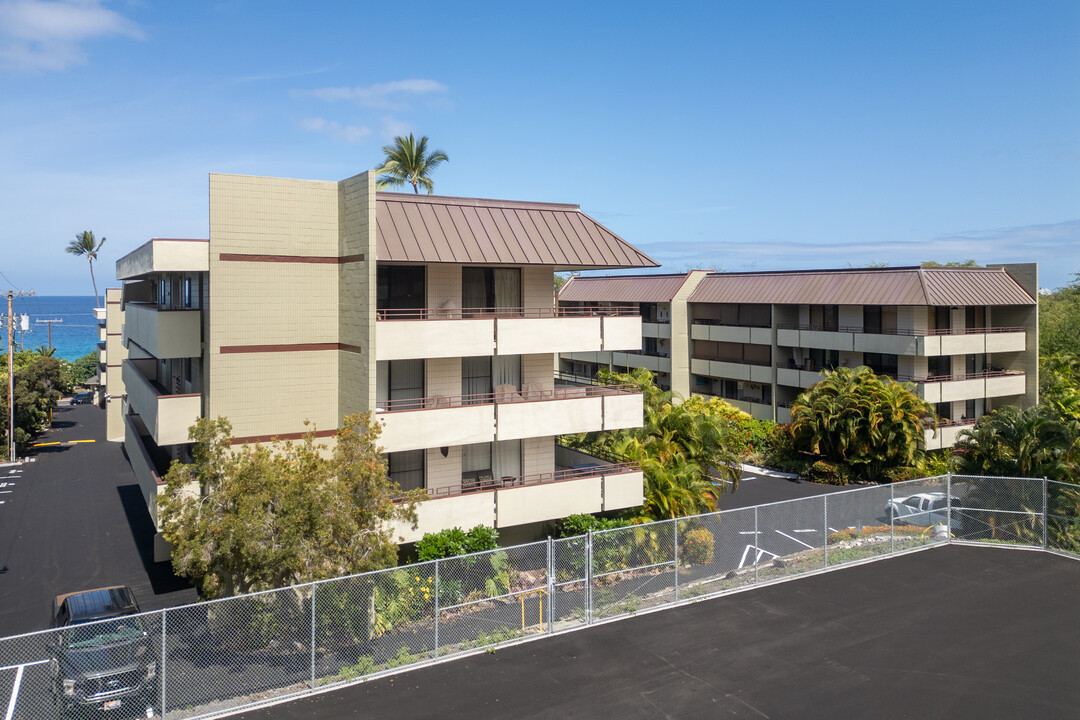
point(45, 351)
point(85, 244)
point(408, 161)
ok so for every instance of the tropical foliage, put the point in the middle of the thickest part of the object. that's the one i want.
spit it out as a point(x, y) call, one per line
point(685, 452)
point(1032, 443)
point(455, 541)
point(1059, 320)
point(84, 368)
point(39, 381)
point(409, 161)
point(1059, 384)
point(266, 517)
point(85, 245)
point(866, 422)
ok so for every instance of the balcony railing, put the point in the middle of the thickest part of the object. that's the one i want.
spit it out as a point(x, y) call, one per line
point(956, 377)
point(725, 323)
point(734, 361)
point(896, 331)
point(504, 312)
point(488, 483)
point(526, 394)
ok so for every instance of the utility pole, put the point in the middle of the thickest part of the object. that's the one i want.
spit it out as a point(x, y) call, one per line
point(11, 370)
point(49, 323)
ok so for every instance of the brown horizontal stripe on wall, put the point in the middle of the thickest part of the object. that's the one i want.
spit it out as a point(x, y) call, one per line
point(252, 439)
point(298, 347)
point(241, 257)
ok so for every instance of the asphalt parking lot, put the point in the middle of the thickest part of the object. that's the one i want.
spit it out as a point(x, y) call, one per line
point(73, 519)
point(952, 633)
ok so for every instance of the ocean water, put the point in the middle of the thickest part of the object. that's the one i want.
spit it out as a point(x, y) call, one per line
point(74, 337)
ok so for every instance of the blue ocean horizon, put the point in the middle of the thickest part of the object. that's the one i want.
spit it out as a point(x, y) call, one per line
point(73, 338)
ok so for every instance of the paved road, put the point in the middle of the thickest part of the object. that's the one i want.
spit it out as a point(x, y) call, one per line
point(72, 520)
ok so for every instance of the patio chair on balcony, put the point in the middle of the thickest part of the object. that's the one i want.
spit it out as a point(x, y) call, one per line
point(506, 393)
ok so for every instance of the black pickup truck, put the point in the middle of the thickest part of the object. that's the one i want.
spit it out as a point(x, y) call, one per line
point(103, 660)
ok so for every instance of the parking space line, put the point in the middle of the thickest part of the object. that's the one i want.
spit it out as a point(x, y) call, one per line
point(46, 444)
point(14, 694)
point(795, 539)
point(806, 530)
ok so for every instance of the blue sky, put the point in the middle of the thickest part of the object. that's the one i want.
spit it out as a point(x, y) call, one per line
point(733, 135)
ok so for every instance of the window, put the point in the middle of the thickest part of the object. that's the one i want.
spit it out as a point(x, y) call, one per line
point(969, 410)
point(187, 369)
point(882, 363)
point(975, 317)
point(400, 384)
point(476, 379)
point(871, 315)
point(939, 365)
point(943, 410)
point(476, 458)
point(824, 359)
point(187, 292)
point(400, 287)
point(485, 288)
point(830, 319)
point(406, 469)
point(942, 318)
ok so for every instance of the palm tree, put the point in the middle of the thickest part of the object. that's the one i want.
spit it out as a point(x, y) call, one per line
point(856, 418)
point(408, 161)
point(45, 351)
point(85, 244)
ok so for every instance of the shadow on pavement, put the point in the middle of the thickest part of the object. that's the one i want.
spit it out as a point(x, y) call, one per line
point(160, 574)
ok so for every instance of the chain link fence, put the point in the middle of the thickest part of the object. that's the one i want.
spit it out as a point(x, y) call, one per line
point(205, 659)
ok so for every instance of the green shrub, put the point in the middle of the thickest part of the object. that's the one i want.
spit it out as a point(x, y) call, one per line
point(828, 473)
point(582, 523)
point(455, 541)
point(900, 474)
point(697, 547)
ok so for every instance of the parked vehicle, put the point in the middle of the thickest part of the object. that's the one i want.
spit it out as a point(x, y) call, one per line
point(83, 398)
point(925, 509)
point(102, 657)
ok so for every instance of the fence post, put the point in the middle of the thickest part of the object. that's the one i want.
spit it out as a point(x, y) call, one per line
point(948, 506)
point(164, 634)
point(675, 524)
point(825, 529)
point(551, 584)
point(892, 519)
point(436, 608)
point(588, 578)
point(757, 552)
point(1046, 509)
point(313, 586)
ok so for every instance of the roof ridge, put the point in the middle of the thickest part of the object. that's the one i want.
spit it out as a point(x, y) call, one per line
point(472, 201)
point(922, 285)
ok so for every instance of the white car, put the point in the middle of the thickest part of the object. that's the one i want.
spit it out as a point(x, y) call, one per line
point(924, 509)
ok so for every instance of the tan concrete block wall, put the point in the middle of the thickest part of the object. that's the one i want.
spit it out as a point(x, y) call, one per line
point(442, 472)
point(356, 292)
point(260, 303)
point(538, 369)
point(680, 334)
point(537, 455)
point(274, 216)
point(442, 376)
point(537, 286)
point(443, 284)
point(271, 393)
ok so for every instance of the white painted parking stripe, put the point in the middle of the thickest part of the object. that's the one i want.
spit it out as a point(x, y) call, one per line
point(795, 539)
point(807, 530)
point(747, 532)
point(757, 558)
point(29, 664)
point(14, 693)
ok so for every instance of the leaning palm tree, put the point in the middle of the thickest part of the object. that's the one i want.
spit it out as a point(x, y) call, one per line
point(45, 351)
point(85, 244)
point(408, 161)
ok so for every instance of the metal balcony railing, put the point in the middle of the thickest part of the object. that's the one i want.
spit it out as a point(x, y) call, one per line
point(504, 312)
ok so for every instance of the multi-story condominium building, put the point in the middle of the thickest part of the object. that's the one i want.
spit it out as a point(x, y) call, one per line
point(314, 300)
point(966, 337)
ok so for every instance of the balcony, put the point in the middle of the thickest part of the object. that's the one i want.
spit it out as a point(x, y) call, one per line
point(505, 502)
point(143, 465)
point(99, 314)
point(507, 415)
point(751, 372)
point(946, 434)
point(970, 386)
point(904, 342)
point(164, 333)
point(166, 417)
point(655, 363)
point(656, 330)
point(755, 334)
point(164, 255)
point(465, 332)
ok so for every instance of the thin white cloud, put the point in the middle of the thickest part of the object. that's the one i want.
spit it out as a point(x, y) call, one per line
point(392, 128)
point(39, 36)
point(384, 96)
point(343, 133)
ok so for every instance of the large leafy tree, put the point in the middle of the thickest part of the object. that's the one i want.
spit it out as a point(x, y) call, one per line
point(681, 448)
point(38, 383)
point(867, 422)
point(87, 246)
point(1059, 384)
point(1059, 320)
point(409, 161)
point(265, 517)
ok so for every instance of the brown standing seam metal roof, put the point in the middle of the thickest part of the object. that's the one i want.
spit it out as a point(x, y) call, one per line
point(621, 289)
point(884, 286)
point(434, 229)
